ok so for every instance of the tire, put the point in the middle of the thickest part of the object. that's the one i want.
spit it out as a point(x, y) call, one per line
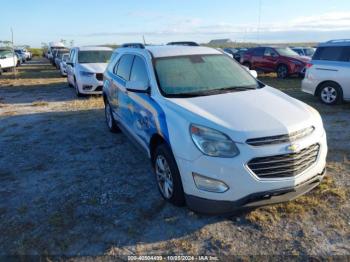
point(282, 71)
point(1, 70)
point(110, 121)
point(77, 92)
point(167, 175)
point(330, 93)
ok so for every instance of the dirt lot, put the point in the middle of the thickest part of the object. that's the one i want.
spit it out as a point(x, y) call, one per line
point(69, 186)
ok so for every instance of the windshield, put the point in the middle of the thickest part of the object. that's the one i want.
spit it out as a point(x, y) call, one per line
point(94, 56)
point(286, 51)
point(201, 75)
point(309, 51)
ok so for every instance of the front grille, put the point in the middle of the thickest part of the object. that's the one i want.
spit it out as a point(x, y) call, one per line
point(99, 77)
point(99, 88)
point(280, 139)
point(287, 165)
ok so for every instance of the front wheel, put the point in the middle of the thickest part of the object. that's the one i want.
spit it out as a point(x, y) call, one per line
point(330, 94)
point(77, 92)
point(168, 175)
point(282, 71)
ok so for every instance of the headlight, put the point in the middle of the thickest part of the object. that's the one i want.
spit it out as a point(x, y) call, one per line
point(212, 142)
point(88, 74)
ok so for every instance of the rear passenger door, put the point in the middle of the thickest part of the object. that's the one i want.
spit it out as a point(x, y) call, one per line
point(119, 93)
point(258, 58)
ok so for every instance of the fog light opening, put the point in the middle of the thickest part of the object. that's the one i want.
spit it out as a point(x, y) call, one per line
point(209, 184)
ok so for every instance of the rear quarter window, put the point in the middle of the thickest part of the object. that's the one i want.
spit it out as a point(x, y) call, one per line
point(333, 53)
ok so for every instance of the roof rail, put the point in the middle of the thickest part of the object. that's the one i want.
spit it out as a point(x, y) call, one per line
point(133, 45)
point(338, 40)
point(185, 43)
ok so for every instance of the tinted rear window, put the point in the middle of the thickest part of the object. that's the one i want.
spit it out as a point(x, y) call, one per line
point(333, 53)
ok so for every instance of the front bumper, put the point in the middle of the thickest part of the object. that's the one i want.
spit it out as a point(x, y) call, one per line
point(90, 85)
point(207, 206)
point(242, 182)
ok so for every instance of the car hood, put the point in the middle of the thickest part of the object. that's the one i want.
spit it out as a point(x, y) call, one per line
point(93, 67)
point(303, 59)
point(246, 114)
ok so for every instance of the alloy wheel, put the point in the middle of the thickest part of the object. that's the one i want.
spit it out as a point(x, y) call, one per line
point(329, 94)
point(164, 177)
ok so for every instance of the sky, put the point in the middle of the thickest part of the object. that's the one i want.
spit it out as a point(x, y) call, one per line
point(89, 22)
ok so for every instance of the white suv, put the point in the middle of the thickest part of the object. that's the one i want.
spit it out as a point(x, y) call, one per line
point(218, 139)
point(8, 60)
point(328, 74)
point(86, 67)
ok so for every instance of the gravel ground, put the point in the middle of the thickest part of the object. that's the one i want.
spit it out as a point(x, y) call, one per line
point(70, 187)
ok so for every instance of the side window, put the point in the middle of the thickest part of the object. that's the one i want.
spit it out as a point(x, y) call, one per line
point(259, 51)
point(270, 52)
point(332, 53)
point(139, 70)
point(124, 67)
point(345, 55)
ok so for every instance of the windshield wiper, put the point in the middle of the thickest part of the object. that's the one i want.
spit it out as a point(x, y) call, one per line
point(213, 91)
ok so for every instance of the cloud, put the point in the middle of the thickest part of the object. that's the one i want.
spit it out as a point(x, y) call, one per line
point(172, 26)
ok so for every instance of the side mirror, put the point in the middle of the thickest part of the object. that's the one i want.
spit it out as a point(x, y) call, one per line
point(253, 73)
point(137, 86)
point(70, 63)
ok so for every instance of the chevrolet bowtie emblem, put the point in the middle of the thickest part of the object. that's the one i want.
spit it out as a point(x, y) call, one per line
point(293, 147)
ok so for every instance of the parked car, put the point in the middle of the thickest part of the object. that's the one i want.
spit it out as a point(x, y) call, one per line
point(58, 56)
point(63, 64)
point(21, 55)
point(237, 53)
point(19, 60)
point(328, 74)
point(28, 54)
point(304, 51)
point(183, 43)
point(282, 60)
point(8, 60)
point(85, 68)
point(52, 46)
point(217, 138)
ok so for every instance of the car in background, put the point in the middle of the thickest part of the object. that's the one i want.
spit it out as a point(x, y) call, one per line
point(28, 54)
point(282, 60)
point(237, 53)
point(21, 55)
point(304, 51)
point(8, 60)
point(51, 47)
point(217, 138)
point(86, 67)
point(184, 43)
point(328, 74)
point(58, 56)
point(63, 64)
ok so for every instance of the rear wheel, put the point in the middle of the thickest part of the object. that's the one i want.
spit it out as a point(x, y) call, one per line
point(168, 176)
point(330, 93)
point(282, 71)
point(112, 126)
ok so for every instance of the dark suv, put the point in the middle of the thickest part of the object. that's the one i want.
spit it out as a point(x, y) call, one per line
point(282, 60)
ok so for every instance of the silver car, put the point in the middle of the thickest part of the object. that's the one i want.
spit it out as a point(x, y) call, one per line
point(328, 74)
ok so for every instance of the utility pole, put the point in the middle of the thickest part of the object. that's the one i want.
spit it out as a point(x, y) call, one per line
point(259, 20)
point(13, 54)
